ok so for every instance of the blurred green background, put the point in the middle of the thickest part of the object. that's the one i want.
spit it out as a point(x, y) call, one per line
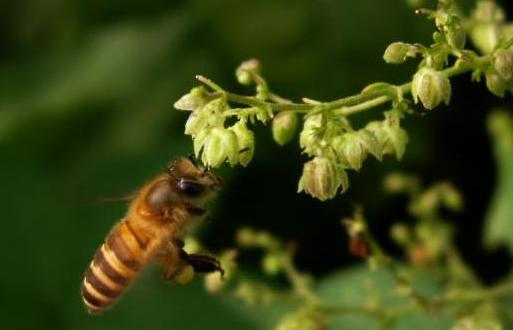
point(86, 94)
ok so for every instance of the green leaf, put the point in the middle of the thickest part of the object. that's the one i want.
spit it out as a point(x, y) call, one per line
point(499, 220)
point(358, 286)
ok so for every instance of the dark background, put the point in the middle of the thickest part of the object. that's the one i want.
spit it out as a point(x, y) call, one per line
point(86, 94)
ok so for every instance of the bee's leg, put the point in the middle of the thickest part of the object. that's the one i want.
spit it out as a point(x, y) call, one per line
point(202, 263)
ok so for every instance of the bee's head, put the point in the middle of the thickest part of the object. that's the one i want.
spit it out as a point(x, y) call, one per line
point(192, 180)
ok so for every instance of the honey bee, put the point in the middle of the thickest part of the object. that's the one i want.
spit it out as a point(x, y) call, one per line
point(157, 218)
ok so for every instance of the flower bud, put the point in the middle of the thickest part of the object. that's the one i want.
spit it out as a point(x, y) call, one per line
point(243, 72)
point(489, 11)
point(350, 150)
point(456, 36)
point(265, 240)
point(193, 100)
point(392, 138)
point(369, 142)
point(246, 142)
point(451, 197)
point(503, 63)
point(284, 127)
point(431, 87)
point(272, 264)
point(197, 121)
point(321, 178)
point(199, 141)
point(400, 234)
point(395, 183)
point(496, 83)
point(485, 36)
point(396, 53)
point(308, 137)
point(220, 144)
point(486, 32)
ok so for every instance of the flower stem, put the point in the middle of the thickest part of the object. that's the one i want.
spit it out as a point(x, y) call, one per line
point(351, 104)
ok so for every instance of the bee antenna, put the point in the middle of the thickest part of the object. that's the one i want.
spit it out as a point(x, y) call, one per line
point(243, 150)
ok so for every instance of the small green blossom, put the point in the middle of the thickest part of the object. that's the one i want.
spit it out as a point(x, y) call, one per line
point(392, 138)
point(309, 136)
point(220, 145)
point(503, 63)
point(245, 141)
point(431, 87)
point(456, 36)
point(321, 178)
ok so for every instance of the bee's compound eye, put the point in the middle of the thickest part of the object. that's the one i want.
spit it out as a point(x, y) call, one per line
point(191, 188)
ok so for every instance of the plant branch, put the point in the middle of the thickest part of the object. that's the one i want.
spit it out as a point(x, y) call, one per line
point(351, 104)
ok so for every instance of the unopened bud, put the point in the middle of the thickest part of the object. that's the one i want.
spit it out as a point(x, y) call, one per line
point(496, 83)
point(272, 264)
point(397, 53)
point(451, 197)
point(284, 127)
point(431, 87)
point(400, 233)
point(398, 183)
point(486, 32)
point(321, 179)
point(456, 36)
point(243, 72)
point(503, 63)
point(193, 100)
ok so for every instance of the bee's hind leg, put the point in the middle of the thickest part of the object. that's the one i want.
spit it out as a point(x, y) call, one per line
point(202, 263)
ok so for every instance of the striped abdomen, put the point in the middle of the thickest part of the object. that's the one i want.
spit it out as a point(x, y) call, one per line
point(115, 264)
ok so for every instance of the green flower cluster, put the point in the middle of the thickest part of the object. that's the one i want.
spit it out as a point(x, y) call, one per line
point(213, 142)
point(327, 135)
point(336, 147)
